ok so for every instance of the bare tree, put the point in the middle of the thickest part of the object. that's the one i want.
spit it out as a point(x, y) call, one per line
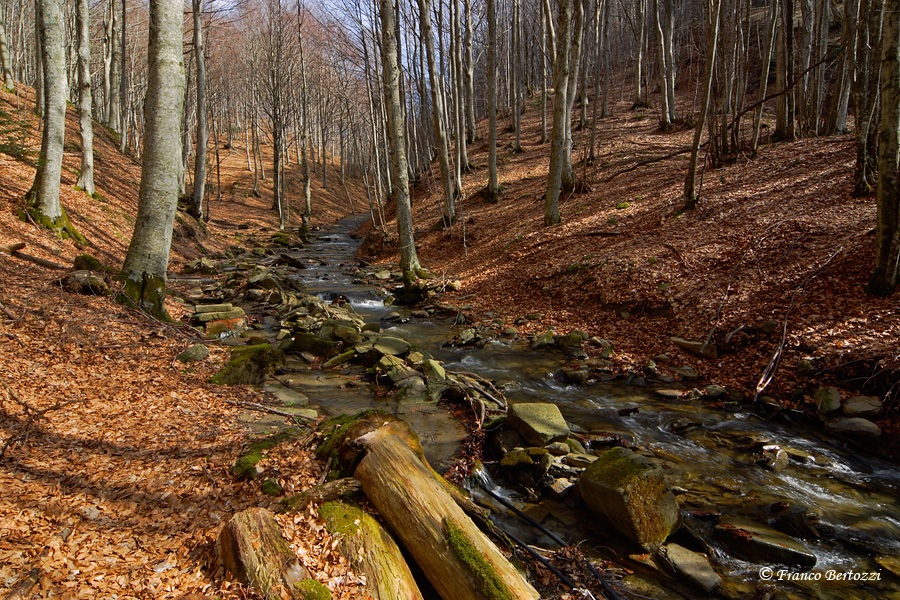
point(5, 64)
point(200, 152)
point(887, 231)
point(83, 26)
point(43, 198)
point(147, 259)
point(558, 142)
point(492, 192)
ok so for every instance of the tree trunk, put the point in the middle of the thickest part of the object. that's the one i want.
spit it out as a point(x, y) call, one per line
point(764, 75)
point(640, 40)
point(409, 261)
point(306, 213)
point(83, 26)
point(712, 36)
point(558, 143)
point(437, 112)
point(887, 230)
point(39, 92)
point(148, 253)
point(468, 43)
point(371, 551)
point(200, 152)
point(493, 187)
point(123, 86)
point(43, 199)
point(6, 73)
point(256, 553)
point(458, 559)
point(865, 93)
point(577, 38)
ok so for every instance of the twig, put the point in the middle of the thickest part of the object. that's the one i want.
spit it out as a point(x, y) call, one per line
point(22, 589)
point(648, 161)
point(770, 370)
point(263, 408)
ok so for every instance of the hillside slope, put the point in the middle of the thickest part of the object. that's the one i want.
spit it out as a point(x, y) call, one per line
point(628, 266)
point(115, 460)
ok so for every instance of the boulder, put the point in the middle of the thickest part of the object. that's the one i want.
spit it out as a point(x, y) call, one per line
point(690, 565)
point(543, 340)
point(862, 406)
point(193, 353)
point(85, 282)
point(827, 399)
point(760, 544)
point(630, 492)
point(249, 365)
point(539, 423)
point(392, 346)
point(853, 426)
point(434, 371)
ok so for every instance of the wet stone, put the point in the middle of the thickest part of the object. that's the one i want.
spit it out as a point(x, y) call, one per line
point(687, 372)
point(579, 461)
point(760, 544)
point(862, 406)
point(691, 565)
point(560, 488)
point(193, 353)
point(827, 399)
point(853, 426)
point(558, 448)
point(630, 493)
point(538, 423)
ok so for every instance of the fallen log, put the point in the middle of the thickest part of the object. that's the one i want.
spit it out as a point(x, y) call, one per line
point(371, 551)
point(10, 248)
point(458, 559)
point(22, 590)
point(255, 552)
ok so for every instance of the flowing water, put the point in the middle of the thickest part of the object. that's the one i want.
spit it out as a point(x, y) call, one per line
point(707, 453)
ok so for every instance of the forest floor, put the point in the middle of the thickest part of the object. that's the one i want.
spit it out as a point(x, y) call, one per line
point(115, 460)
point(777, 243)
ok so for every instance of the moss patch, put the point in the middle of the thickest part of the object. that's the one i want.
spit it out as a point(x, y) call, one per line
point(489, 583)
point(61, 226)
point(310, 589)
point(146, 292)
point(249, 365)
point(245, 466)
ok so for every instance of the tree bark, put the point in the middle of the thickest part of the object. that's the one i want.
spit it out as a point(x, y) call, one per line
point(148, 253)
point(712, 36)
point(558, 143)
point(764, 75)
point(437, 111)
point(83, 26)
point(256, 553)
point(201, 149)
point(43, 199)
point(576, 37)
point(371, 551)
point(5, 65)
point(887, 230)
point(458, 559)
point(409, 260)
point(493, 186)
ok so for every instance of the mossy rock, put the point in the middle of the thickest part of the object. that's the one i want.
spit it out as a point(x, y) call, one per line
point(271, 487)
point(309, 342)
point(340, 432)
point(310, 589)
point(86, 262)
point(249, 365)
point(245, 466)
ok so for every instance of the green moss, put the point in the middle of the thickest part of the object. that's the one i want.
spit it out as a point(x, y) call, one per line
point(147, 293)
point(623, 205)
point(618, 466)
point(249, 365)
point(245, 466)
point(270, 487)
point(489, 583)
point(344, 519)
point(60, 226)
point(309, 342)
point(310, 589)
point(86, 262)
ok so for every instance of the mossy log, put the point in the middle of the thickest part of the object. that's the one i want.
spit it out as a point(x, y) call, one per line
point(458, 559)
point(256, 553)
point(371, 551)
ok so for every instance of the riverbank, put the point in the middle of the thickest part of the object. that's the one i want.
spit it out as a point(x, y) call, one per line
point(777, 244)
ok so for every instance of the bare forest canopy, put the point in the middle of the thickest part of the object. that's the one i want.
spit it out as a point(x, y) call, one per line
point(383, 88)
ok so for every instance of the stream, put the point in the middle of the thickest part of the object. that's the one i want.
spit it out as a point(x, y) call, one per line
point(710, 455)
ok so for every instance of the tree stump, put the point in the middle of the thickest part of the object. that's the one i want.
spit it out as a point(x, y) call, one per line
point(256, 553)
point(458, 559)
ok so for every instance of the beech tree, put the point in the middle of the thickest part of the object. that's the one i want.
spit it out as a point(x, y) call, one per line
point(409, 260)
point(200, 154)
point(147, 259)
point(558, 142)
point(6, 73)
point(43, 199)
point(85, 103)
point(887, 231)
